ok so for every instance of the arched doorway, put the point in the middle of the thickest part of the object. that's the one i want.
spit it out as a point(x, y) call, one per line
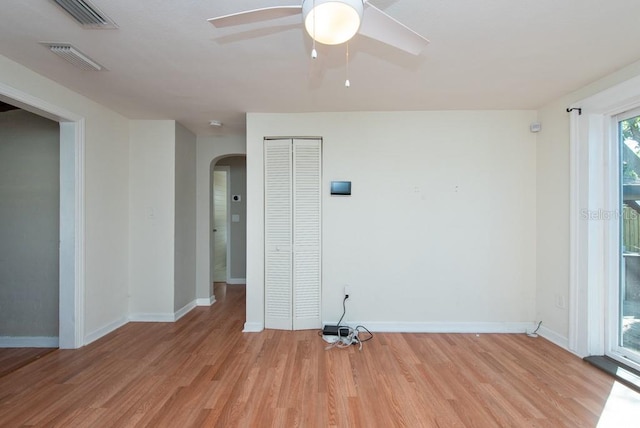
point(228, 219)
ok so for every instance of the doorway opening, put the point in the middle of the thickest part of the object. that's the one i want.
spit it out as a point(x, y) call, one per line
point(29, 228)
point(228, 220)
point(71, 212)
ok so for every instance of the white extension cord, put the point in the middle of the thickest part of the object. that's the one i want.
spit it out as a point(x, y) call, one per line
point(343, 341)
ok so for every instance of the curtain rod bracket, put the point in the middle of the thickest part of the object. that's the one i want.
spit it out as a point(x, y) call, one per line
point(569, 110)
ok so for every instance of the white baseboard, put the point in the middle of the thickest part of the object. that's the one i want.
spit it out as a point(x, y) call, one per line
point(442, 327)
point(29, 342)
point(554, 337)
point(140, 317)
point(184, 310)
point(206, 302)
point(253, 327)
point(152, 317)
point(236, 281)
point(163, 317)
point(92, 337)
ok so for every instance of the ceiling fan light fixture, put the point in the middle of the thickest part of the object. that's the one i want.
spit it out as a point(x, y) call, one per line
point(335, 21)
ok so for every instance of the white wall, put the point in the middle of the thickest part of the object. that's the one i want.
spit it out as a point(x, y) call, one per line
point(238, 230)
point(420, 154)
point(208, 150)
point(552, 195)
point(106, 195)
point(439, 233)
point(29, 225)
point(185, 218)
point(152, 219)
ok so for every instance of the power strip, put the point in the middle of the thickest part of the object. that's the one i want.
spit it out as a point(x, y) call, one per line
point(334, 330)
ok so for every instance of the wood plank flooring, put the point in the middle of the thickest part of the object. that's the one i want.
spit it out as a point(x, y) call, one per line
point(12, 359)
point(203, 372)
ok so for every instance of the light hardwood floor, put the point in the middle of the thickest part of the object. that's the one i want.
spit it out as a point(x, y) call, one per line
point(202, 371)
point(12, 359)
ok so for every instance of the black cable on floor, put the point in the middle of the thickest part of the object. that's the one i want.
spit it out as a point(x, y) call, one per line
point(365, 329)
point(344, 309)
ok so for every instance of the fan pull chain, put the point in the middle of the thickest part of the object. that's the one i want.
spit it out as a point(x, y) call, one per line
point(314, 52)
point(346, 82)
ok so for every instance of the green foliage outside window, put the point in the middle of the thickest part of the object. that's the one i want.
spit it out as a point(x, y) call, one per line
point(630, 148)
point(630, 132)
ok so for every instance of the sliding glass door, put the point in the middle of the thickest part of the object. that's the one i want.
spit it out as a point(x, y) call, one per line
point(625, 323)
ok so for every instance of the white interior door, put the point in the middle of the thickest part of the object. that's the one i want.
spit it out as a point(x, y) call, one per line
point(220, 209)
point(292, 233)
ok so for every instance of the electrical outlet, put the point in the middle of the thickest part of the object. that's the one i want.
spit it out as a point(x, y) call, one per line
point(347, 290)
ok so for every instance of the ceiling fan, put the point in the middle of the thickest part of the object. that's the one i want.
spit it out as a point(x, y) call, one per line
point(333, 22)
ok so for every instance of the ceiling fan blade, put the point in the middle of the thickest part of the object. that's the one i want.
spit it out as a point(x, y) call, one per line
point(255, 15)
point(379, 26)
point(255, 33)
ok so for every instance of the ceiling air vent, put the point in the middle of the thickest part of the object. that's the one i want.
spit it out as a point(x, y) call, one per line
point(74, 56)
point(86, 14)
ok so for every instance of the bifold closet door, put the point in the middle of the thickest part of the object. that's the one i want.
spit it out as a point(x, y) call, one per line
point(293, 194)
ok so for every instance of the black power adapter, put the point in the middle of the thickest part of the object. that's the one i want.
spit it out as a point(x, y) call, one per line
point(334, 330)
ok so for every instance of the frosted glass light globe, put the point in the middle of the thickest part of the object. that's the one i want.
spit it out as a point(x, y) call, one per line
point(332, 22)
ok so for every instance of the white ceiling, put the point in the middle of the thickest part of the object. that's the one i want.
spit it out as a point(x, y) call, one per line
point(165, 61)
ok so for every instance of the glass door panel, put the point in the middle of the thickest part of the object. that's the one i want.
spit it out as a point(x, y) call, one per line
point(628, 319)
